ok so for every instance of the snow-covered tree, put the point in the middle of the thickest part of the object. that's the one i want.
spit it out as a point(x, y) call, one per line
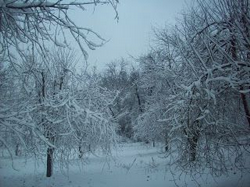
point(205, 104)
point(39, 90)
point(56, 110)
point(156, 83)
point(129, 102)
point(215, 35)
point(36, 24)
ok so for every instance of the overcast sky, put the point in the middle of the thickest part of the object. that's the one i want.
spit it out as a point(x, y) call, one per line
point(132, 34)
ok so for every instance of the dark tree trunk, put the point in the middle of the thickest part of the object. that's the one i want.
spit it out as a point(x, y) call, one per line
point(80, 151)
point(193, 141)
point(17, 150)
point(246, 107)
point(166, 143)
point(89, 147)
point(193, 134)
point(50, 151)
point(166, 148)
point(245, 21)
point(234, 56)
point(138, 98)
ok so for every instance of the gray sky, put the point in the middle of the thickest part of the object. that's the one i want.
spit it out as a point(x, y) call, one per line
point(132, 34)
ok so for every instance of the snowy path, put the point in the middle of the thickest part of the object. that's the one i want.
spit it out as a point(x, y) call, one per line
point(133, 165)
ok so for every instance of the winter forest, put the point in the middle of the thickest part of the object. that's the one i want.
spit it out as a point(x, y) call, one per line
point(178, 115)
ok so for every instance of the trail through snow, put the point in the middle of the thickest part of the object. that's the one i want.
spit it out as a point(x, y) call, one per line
point(132, 165)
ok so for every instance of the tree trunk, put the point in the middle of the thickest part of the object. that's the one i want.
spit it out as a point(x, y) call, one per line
point(166, 143)
point(17, 150)
point(80, 151)
point(245, 104)
point(193, 134)
point(234, 56)
point(193, 141)
point(138, 99)
point(50, 151)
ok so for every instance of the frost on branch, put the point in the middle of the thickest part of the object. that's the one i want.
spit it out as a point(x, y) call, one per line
point(38, 23)
point(50, 106)
point(196, 82)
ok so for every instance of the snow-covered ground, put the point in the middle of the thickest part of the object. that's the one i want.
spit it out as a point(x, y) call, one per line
point(131, 165)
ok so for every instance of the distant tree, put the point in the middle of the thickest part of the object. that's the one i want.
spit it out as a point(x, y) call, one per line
point(128, 103)
point(157, 82)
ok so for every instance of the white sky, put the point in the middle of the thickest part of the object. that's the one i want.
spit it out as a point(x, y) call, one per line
point(132, 34)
